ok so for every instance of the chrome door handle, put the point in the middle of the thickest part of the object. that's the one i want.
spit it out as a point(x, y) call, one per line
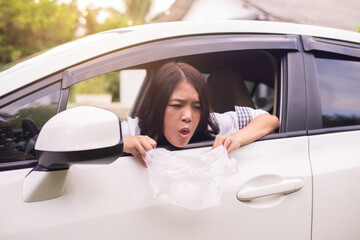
point(285, 187)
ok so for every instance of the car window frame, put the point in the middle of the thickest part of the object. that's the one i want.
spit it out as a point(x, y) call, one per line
point(175, 47)
point(30, 89)
point(191, 45)
point(19, 94)
point(312, 45)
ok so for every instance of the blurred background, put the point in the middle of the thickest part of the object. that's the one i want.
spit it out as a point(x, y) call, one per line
point(30, 26)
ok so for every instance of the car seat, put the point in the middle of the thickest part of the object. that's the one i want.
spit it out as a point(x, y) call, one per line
point(227, 89)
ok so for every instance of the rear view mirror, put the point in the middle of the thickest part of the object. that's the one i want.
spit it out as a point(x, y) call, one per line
point(81, 135)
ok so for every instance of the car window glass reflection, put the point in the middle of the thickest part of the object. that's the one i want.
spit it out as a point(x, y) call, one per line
point(339, 91)
point(21, 121)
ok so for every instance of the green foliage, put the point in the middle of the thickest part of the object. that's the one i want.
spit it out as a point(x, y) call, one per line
point(94, 85)
point(28, 26)
point(108, 83)
point(113, 85)
point(114, 20)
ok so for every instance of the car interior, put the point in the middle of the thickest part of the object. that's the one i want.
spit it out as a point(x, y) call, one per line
point(235, 78)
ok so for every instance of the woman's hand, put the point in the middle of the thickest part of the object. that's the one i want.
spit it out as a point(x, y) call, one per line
point(257, 128)
point(138, 146)
point(230, 142)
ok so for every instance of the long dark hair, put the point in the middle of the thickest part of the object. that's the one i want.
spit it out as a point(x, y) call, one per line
point(152, 110)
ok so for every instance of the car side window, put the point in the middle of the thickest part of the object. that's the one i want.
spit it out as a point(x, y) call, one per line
point(339, 82)
point(238, 81)
point(114, 91)
point(21, 121)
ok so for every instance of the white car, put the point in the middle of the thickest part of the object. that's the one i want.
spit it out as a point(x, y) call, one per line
point(300, 182)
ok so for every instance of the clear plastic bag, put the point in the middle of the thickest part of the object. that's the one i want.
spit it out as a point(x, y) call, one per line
point(191, 182)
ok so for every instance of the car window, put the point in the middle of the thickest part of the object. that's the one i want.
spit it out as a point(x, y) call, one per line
point(122, 91)
point(339, 82)
point(234, 78)
point(21, 121)
point(114, 91)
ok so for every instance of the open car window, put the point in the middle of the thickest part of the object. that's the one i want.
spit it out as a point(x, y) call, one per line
point(235, 78)
point(115, 91)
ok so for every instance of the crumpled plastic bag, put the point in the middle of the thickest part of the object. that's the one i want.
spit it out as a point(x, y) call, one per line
point(191, 182)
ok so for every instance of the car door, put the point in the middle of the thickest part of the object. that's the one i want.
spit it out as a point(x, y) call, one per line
point(334, 70)
point(269, 197)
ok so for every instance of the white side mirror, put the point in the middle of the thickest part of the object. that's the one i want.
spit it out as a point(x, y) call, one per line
point(84, 134)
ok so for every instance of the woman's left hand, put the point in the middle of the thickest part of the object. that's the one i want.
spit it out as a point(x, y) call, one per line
point(230, 142)
point(257, 128)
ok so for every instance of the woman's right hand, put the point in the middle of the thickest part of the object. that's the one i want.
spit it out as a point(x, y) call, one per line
point(138, 146)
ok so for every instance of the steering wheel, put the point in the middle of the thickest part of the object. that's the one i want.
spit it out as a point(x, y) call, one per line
point(30, 132)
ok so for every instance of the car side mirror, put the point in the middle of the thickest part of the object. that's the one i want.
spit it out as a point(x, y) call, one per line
point(81, 135)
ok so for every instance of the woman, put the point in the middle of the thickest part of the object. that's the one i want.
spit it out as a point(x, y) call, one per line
point(176, 110)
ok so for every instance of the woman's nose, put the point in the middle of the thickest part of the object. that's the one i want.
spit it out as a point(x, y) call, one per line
point(186, 116)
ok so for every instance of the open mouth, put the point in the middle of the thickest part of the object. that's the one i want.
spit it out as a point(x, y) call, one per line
point(185, 132)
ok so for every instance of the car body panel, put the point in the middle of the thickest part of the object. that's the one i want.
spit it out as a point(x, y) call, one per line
point(114, 201)
point(336, 165)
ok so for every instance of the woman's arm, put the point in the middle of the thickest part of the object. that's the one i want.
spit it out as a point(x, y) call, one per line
point(257, 128)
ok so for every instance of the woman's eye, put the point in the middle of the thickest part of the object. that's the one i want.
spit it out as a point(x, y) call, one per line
point(197, 107)
point(176, 105)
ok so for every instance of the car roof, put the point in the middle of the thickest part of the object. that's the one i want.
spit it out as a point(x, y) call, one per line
point(75, 52)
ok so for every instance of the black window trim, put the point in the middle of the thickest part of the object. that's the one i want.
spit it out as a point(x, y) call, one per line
point(296, 106)
point(314, 118)
point(19, 164)
point(333, 46)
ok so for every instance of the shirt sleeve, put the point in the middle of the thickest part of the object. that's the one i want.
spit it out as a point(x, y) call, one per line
point(246, 114)
point(228, 122)
point(232, 121)
point(130, 127)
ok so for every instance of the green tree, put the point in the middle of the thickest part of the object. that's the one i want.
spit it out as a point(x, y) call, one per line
point(28, 26)
point(114, 20)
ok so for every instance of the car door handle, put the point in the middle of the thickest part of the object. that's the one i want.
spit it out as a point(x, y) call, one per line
point(287, 186)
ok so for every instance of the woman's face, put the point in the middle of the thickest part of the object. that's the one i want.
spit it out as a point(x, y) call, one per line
point(182, 114)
